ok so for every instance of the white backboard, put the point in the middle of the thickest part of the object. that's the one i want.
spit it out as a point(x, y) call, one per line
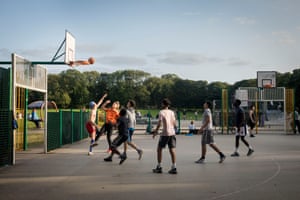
point(266, 79)
point(70, 48)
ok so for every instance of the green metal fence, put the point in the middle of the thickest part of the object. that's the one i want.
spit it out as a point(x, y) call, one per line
point(6, 133)
point(65, 127)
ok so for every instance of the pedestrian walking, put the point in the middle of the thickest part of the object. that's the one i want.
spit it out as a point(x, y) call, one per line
point(241, 132)
point(252, 120)
point(166, 119)
point(208, 135)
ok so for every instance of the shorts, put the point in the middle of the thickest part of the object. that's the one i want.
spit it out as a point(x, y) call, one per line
point(119, 140)
point(90, 128)
point(207, 137)
point(252, 125)
point(242, 132)
point(167, 140)
point(130, 133)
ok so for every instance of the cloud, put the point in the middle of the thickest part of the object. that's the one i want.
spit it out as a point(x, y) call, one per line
point(94, 48)
point(194, 59)
point(179, 58)
point(122, 60)
point(237, 62)
point(284, 37)
point(38, 54)
point(244, 21)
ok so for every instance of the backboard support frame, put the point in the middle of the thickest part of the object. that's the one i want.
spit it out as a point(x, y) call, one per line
point(69, 46)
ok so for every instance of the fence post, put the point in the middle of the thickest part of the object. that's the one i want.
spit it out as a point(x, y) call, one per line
point(81, 124)
point(25, 146)
point(60, 127)
point(72, 126)
point(179, 124)
point(149, 126)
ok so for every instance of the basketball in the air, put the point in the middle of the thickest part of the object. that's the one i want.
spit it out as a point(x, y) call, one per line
point(91, 60)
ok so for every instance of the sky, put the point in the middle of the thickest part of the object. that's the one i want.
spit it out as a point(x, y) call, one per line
point(213, 40)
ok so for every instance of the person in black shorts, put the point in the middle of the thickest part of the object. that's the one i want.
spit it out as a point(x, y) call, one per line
point(122, 124)
point(166, 119)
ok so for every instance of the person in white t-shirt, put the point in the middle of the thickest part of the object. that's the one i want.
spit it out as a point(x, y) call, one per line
point(192, 128)
point(166, 119)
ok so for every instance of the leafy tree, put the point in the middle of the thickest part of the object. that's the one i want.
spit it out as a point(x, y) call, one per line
point(72, 89)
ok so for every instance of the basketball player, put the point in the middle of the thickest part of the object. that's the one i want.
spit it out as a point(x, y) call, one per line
point(91, 125)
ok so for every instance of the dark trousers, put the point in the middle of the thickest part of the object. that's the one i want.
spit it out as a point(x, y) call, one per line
point(108, 129)
point(297, 125)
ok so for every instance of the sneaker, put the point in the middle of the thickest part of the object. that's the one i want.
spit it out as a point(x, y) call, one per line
point(123, 154)
point(90, 153)
point(108, 159)
point(123, 158)
point(200, 161)
point(235, 154)
point(222, 158)
point(140, 152)
point(157, 170)
point(252, 135)
point(250, 152)
point(172, 171)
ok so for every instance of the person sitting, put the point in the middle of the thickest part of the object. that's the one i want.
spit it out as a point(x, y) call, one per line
point(192, 129)
point(35, 118)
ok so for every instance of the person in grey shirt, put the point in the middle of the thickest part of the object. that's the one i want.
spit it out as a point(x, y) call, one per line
point(131, 127)
point(207, 134)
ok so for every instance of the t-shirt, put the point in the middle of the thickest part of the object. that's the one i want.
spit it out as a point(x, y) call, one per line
point(122, 123)
point(207, 113)
point(240, 117)
point(167, 118)
point(34, 116)
point(111, 116)
point(131, 117)
point(192, 127)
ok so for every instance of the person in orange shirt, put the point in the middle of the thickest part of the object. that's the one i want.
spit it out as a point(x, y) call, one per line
point(112, 114)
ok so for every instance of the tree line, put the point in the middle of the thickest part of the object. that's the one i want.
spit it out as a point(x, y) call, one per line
point(74, 89)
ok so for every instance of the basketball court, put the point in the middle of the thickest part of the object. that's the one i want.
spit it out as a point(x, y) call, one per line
point(272, 172)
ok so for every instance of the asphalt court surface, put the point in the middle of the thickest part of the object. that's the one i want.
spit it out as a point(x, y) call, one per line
point(272, 172)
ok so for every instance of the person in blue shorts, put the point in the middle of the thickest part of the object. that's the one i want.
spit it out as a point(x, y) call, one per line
point(131, 127)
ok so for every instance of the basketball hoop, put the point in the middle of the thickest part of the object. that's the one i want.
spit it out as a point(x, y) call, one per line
point(267, 86)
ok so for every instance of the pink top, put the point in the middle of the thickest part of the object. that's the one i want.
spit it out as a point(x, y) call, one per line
point(168, 121)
